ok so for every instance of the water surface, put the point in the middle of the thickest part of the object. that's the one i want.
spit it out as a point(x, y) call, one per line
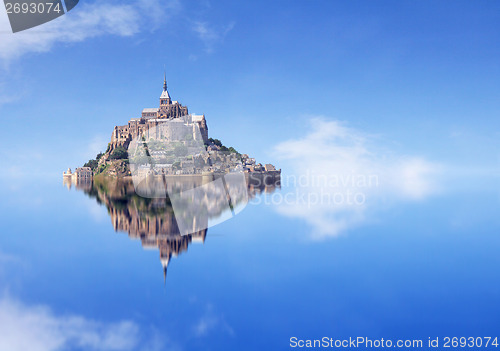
point(75, 262)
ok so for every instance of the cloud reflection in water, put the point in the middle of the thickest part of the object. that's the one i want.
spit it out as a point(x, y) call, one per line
point(335, 176)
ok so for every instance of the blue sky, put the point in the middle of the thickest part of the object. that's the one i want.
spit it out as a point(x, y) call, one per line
point(422, 77)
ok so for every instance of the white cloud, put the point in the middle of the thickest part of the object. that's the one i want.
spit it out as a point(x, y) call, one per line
point(84, 22)
point(209, 35)
point(211, 321)
point(416, 178)
point(158, 11)
point(37, 328)
point(337, 175)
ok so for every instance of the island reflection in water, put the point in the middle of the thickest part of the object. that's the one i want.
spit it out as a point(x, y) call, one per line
point(153, 221)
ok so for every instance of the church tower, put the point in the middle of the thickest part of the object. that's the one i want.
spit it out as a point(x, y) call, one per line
point(168, 108)
point(165, 97)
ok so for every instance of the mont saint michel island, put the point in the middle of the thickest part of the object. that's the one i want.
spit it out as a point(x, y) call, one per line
point(165, 182)
point(168, 141)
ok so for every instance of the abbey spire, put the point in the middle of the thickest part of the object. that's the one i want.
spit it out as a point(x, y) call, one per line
point(165, 97)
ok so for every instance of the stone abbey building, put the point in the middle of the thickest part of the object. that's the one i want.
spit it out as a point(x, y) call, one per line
point(151, 118)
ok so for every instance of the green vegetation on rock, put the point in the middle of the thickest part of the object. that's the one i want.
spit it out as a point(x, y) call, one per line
point(119, 153)
point(94, 162)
